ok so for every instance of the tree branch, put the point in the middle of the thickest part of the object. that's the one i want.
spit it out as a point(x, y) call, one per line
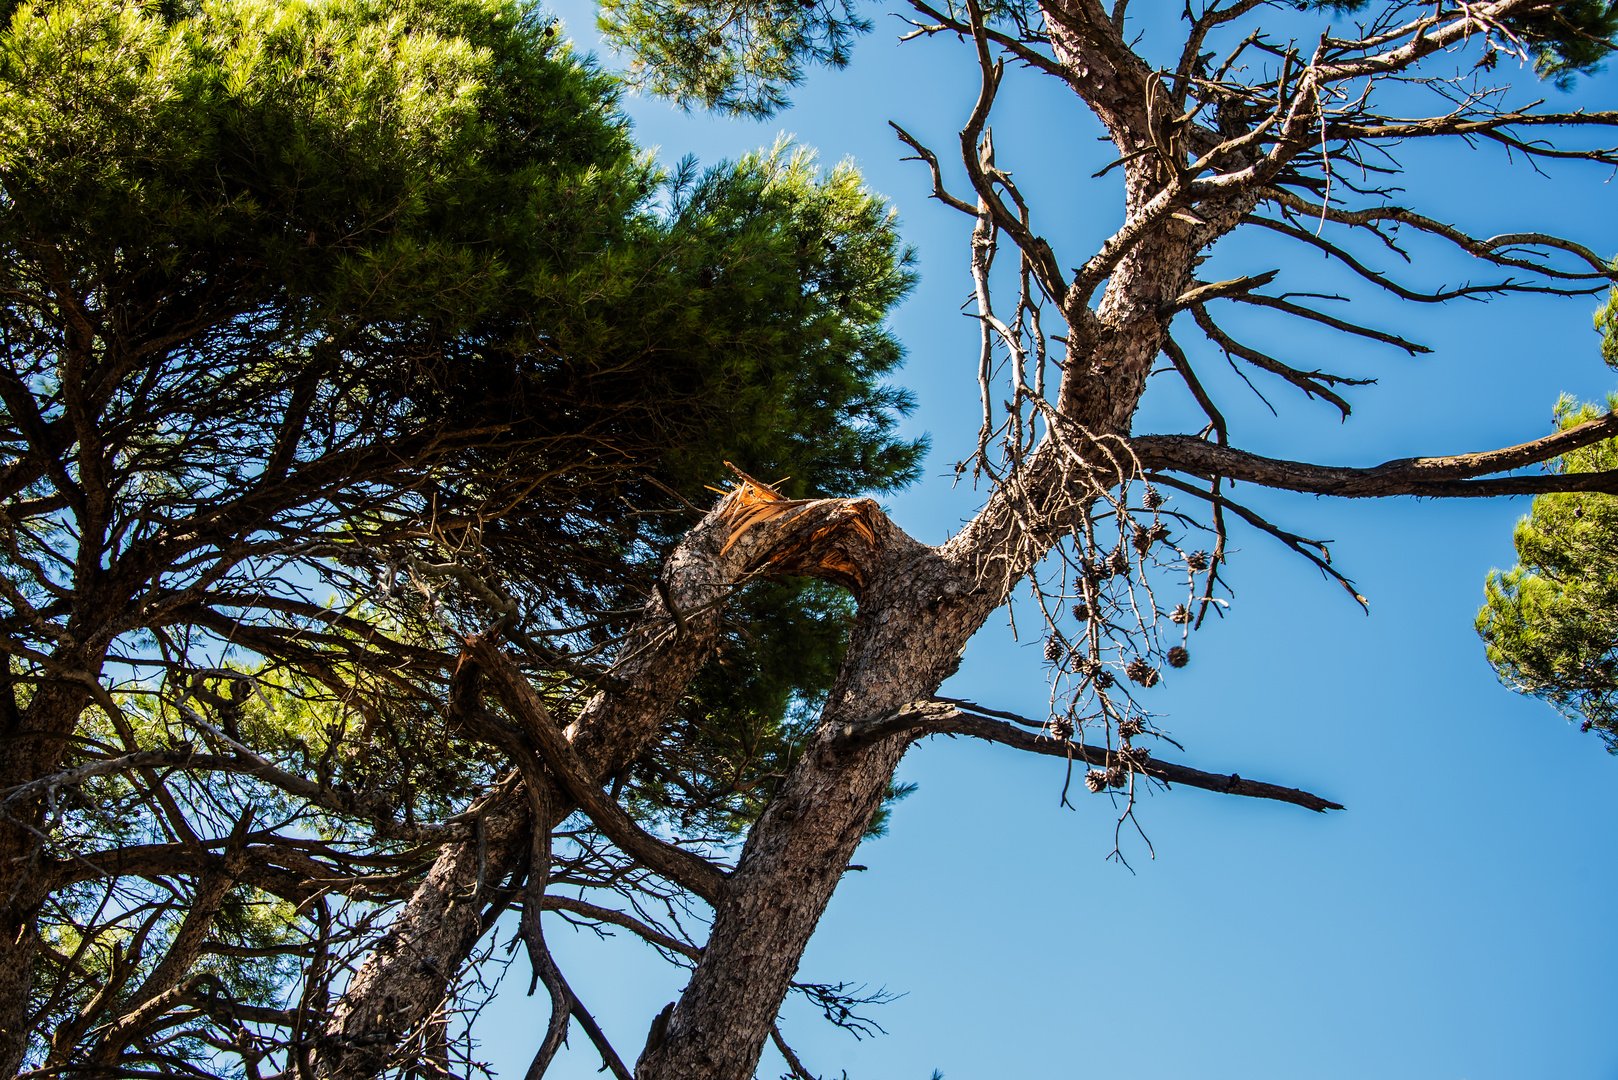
point(1437, 476)
point(940, 718)
point(517, 694)
point(552, 902)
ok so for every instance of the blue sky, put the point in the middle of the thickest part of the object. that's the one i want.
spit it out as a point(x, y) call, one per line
point(1452, 924)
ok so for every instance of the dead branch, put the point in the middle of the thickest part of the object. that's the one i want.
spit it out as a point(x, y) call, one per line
point(1440, 476)
point(939, 718)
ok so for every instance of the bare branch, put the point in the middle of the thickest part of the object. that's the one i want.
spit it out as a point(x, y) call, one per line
point(1280, 304)
point(1441, 476)
point(1313, 383)
point(939, 718)
point(518, 696)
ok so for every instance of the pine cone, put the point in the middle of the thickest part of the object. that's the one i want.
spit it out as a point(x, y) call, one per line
point(1143, 539)
point(1081, 612)
point(1197, 561)
point(1153, 498)
point(1142, 672)
point(1118, 561)
point(1118, 776)
point(1178, 657)
point(1053, 650)
point(1095, 780)
point(1128, 729)
point(1102, 679)
point(1158, 532)
point(1180, 614)
point(1062, 728)
point(1092, 571)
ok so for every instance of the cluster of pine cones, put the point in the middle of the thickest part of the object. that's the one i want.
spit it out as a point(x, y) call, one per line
point(1098, 780)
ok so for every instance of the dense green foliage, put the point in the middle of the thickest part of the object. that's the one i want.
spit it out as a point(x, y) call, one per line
point(408, 223)
point(1550, 624)
point(738, 57)
point(335, 328)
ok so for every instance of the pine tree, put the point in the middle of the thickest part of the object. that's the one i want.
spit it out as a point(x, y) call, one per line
point(1550, 624)
point(327, 324)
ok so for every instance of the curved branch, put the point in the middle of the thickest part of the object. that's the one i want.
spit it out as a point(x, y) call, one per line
point(1312, 383)
point(1032, 57)
point(1202, 291)
point(980, 170)
point(1481, 248)
point(517, 694)
point(1216, 419)
point(923, 154)
point(1313, 550)
point(597, 913)
point(1426, 40)
point(1389, 284)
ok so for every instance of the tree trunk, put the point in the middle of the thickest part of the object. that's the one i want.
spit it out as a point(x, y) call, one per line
point(403, 981)
point(921, 607)
point(31, 751)
point(394, 992)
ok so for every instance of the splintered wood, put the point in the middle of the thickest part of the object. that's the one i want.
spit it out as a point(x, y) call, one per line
point(821, 551)
point(750, 502)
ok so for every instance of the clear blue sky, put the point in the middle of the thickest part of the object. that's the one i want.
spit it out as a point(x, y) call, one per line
point(1452, 924)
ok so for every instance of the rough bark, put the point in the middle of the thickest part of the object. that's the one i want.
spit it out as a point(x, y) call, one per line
point(752, 530)
point(402, 981)
point(31, 750)
point(919, 609)
point(1451, 477)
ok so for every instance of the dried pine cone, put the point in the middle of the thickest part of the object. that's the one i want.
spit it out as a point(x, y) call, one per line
point(1081, 612)
point(1095, 780)
point(1142, 672)
point(1180, 614)
point(1118, 776)
point(1062, 728)
point(1153, 498)
point(1197, 561)
point(1128, 729)
point(1143, 539)
point(1102, 679)
point(1053, 650)
point(1178, 657)
point(1118, 561)
point(1158, 532)
point(1092, 571)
